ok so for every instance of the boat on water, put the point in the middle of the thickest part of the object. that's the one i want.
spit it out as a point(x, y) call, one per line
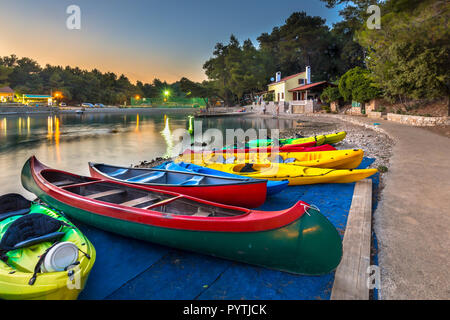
point(248, 193)
point(298, 240)
point(42, 253)
point(296, 175)
point(336, 159)
point(273, 187)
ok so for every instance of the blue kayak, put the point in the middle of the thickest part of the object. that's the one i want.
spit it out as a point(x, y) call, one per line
point(273, 187)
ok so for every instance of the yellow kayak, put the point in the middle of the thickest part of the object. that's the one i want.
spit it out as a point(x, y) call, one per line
point(337, 159)
point(319, 139)
point(297, 175)
point(327, 139)
point(18, 265)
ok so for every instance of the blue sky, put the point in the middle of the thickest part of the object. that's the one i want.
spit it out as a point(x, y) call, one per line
point(142, 39)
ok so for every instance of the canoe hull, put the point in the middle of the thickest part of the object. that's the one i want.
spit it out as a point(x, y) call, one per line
point(309, 245)
point(273, 187)
point(287, 148)
point(245, 195)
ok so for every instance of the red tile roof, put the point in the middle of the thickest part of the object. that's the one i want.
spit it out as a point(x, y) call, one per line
point(6, 90)
point(287, 78)
point(311, 85)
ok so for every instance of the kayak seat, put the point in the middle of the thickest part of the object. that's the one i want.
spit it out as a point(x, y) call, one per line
point(118, 172)
point(277, 159)
point(248, 167)
point(220, 159)
point(230, 159)
point(193, 181)
point(290, 160)
point(148, 178)
point(13, 204)
point(31, 229)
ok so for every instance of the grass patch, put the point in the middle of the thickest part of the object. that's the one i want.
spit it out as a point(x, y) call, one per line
point(382, 169)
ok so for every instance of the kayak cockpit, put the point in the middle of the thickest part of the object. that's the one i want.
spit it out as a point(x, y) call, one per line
point(123, 195)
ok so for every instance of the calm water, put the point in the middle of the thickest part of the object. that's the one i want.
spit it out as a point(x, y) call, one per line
point(70, 141)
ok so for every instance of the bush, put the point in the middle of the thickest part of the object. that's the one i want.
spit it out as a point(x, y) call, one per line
point(326, 107)
point(330, 94)
point(356, 85)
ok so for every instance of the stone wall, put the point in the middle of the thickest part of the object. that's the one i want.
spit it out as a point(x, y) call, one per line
point(334, 106)
point(417, 120)
point(355, 111)
point(374, 114)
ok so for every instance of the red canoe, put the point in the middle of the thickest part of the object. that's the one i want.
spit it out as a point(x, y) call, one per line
point(298, 240)
point(287, 148)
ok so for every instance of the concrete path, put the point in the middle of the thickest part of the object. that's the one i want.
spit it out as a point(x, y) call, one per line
point(412, 221)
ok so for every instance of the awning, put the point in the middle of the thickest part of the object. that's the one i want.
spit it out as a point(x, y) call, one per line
point(312, 85)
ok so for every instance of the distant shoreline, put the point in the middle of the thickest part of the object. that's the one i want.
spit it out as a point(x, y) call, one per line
point(4, 111)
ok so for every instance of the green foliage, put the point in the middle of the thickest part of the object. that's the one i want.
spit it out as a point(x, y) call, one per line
point(4, 74)
point(205, 90)
point(409, 55)
point(357, 85)
point(25, 75)
point(330, 94)
point(326, 108)
point(303, 40)
point(270, 96)
point(237, 69)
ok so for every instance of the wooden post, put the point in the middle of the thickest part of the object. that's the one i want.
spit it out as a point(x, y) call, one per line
point(350, 281)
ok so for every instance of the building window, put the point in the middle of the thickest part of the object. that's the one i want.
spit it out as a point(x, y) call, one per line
point(301, 81)
point(278, 97)
point(282, 95)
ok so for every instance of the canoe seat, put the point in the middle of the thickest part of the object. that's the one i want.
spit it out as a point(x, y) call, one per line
point(63, 183)
point(118, 172)
point(138, 201)
point(147, 177)
point(105, 193)
point(201, 213)
point(193, 181)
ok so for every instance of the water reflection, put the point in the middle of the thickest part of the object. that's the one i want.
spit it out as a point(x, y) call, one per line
point(167, 135)
point(136, 129)
point(69, 141)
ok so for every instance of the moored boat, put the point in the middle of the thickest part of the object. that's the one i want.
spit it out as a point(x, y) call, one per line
point(297, 175)
point(36, 246)
point(319, 139)
point(286, 148)
point(337, 159)
point(273, 187)
point(248, 193)
point(299, 240)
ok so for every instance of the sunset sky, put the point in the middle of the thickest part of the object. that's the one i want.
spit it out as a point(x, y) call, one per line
point(141, 39)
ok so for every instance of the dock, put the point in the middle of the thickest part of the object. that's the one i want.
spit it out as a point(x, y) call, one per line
point(131, 269)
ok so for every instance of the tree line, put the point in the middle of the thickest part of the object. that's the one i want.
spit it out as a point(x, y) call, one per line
point(25, 75)
point(407, 58)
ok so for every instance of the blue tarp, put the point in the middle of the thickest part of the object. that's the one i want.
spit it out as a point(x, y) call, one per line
point(132, 269)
